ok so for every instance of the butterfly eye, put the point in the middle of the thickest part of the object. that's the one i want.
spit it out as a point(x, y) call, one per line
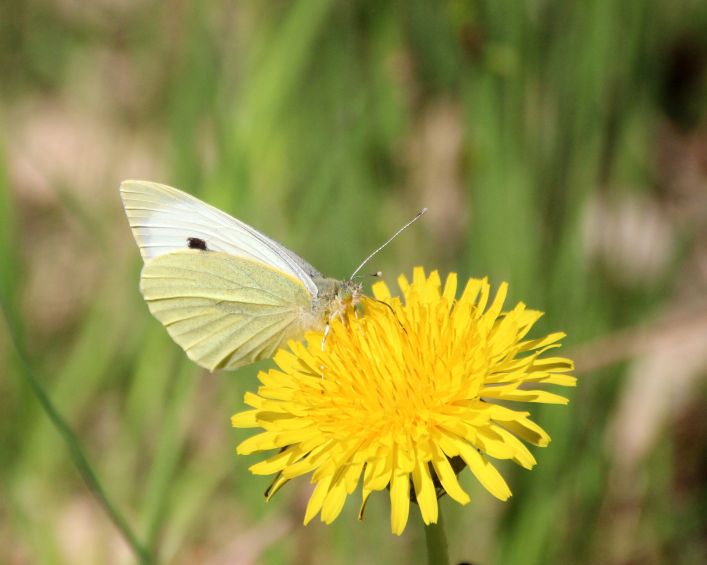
point(196, 243)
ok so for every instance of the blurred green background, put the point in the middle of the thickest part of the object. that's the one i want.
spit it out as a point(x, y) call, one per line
point(561, 146)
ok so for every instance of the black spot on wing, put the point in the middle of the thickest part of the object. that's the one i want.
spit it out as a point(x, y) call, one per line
point(196, 243)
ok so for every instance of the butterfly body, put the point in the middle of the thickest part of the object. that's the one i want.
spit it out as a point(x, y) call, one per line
point(335, 297)
point(227, 294)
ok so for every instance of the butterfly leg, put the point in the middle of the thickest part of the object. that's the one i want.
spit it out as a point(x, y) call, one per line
point(327, 328)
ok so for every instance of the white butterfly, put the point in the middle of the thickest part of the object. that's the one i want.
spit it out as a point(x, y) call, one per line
point(227, 294)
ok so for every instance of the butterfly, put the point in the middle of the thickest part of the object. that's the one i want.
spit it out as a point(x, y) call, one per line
point(226, 293)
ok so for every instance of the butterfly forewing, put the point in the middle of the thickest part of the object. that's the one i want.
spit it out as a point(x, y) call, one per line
point(164, 219)
point(225, 311)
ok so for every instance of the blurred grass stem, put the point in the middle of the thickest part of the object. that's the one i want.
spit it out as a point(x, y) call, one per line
point(75, 451)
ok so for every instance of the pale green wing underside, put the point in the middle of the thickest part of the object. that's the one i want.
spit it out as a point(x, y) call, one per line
point(225, 311)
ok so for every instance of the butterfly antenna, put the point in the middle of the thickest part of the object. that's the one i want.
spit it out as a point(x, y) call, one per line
point(391, 238)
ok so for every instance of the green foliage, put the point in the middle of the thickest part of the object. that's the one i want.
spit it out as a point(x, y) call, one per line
point(326, 125)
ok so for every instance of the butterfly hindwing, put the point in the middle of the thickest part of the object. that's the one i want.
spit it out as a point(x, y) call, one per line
point(225, 311)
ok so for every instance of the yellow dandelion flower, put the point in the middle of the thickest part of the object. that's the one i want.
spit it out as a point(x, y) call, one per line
point(405, 397)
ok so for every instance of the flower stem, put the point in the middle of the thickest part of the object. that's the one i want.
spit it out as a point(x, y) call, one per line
point(436, 542)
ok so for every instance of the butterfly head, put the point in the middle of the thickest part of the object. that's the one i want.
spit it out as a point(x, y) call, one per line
point(349, 292)
point(336, 298)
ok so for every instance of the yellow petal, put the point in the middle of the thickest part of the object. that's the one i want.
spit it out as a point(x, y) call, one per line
point(446, 476)
point(494, 310)
point(399, 502)
point(523, 395)
point(276, 463)
point(450, 287)
point(246, 419)
point(542, 342)
point(520, 453)
point(528, 430)
point(334, 502)
point(425, 493)
point(317, 499)
point(381, 291)
point(471, 291)
point(486, 473)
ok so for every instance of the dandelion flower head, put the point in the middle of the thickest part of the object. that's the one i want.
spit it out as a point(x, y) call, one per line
point(405, 397)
